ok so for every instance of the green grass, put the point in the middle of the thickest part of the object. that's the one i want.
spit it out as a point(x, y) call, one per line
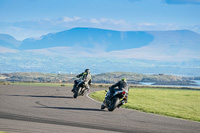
point(42, 84)
point(168, 102)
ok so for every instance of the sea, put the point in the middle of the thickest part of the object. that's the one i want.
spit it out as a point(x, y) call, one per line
point(197, 82)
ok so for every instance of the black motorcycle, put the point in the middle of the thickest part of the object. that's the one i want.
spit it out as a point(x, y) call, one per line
point(117, 100)
point(79, 89)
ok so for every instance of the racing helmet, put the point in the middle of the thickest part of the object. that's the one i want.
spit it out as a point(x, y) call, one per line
point(87, 70)
point(124, 79)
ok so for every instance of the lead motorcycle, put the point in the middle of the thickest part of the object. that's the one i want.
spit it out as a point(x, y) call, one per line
point(80, 88)
point(117, 100)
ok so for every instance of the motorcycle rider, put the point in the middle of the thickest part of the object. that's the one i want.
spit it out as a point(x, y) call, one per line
point(86, 77)
point(122, 85)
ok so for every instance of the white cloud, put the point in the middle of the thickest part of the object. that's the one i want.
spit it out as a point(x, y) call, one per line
point(102, 21)
point(95, 21)
point(147, 24)
point(68, 19)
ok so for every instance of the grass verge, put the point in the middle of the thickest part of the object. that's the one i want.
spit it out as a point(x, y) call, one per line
point(168, 102)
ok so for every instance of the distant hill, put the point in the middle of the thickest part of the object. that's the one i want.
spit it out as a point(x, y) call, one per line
point(136, 78)
point(90, 38)
point(171, 46)
point(177, 45)
point(108, 78)
point(9, 42)
point(101, 50)
point(35, 77)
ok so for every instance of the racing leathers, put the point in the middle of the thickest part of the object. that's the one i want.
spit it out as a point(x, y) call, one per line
point(122, 85)
point(86, 78)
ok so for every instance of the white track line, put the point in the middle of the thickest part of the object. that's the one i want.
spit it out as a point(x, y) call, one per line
point(92, 98)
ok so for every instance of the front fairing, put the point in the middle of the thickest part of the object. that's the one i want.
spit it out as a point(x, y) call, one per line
point(80, 83)
point(107, 94)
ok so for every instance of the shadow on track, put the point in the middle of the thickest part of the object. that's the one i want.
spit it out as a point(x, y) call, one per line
point(69, 108)
point(66, 108)
point(41, 96)
point(101, 126)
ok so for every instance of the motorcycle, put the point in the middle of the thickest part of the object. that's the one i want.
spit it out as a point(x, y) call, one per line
point(117, 100)
point(79, 89)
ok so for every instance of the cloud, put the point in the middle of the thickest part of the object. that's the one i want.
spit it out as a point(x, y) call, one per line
point(95, 21)
point(182, 1)
point(68, 19)
point(103, 21)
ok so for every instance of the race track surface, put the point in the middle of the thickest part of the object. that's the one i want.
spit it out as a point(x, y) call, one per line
point(42, 109)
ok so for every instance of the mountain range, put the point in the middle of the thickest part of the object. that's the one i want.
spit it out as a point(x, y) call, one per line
point(161, 50)
point(90, 38)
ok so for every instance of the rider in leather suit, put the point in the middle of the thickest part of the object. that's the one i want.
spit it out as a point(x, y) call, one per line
point(86, 77)
point(122, 85)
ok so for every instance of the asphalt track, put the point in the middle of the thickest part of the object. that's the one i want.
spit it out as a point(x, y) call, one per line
point(42, 109)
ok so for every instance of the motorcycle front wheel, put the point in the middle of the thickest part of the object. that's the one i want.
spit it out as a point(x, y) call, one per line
point(77, 92)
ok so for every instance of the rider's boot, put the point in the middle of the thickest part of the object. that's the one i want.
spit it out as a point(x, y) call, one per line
point(87, 89)
point(121, 103)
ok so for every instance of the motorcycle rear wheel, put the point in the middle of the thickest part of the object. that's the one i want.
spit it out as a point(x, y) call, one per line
point(114, 104)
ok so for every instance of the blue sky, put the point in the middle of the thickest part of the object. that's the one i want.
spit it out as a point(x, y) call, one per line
point(34, 18)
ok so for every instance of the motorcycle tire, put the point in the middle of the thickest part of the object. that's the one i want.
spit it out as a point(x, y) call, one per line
point(114, 104)
point(75, 95)
point(77, 92)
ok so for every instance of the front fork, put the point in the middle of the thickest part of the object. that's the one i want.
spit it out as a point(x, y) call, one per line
point(74, 87)
point(76, 83)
